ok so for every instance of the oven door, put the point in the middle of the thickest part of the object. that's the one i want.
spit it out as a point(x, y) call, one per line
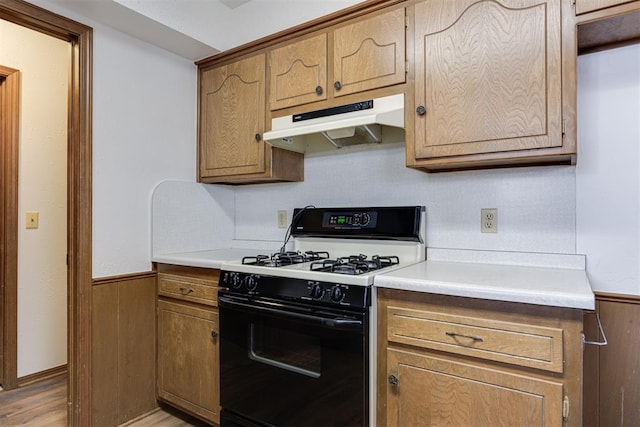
point(284, 364)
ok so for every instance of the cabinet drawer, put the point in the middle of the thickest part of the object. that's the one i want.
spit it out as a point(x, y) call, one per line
point(188, 288)
point(509, 342)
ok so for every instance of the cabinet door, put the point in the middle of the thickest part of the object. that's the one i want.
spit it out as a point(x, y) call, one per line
point(431, 391)
point(369, 54)
point(298, 73)
point(188, 365)
point(232, 118)
point(488, 76)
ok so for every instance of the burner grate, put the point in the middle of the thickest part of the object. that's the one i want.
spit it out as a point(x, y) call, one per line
point(354, 264)
point(280, 259)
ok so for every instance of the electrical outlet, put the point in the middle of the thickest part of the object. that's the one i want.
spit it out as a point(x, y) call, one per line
point(489, 220)
point(282, 219)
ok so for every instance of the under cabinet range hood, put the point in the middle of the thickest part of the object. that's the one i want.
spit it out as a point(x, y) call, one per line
point(372, 121)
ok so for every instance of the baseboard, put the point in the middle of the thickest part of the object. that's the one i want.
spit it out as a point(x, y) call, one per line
point(42, 375)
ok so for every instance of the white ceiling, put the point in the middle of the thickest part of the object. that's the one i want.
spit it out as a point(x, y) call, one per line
point(195, 29)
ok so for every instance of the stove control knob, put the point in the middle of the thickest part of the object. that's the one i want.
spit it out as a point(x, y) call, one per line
point(316, 291)
point(251, 282)
point(336, 294)
point(234, 280)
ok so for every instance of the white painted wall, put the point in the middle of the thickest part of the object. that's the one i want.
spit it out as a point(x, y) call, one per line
point(608, 169)
point(223, 28)
point(43, 62)
point(144, 131)
point(536, 206)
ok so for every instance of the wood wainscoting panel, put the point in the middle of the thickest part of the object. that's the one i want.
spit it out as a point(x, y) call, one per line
point(104, 376)
point(124, 348)
point(612, 372)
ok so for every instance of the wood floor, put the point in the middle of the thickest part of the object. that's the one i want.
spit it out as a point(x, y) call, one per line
point(44, 404)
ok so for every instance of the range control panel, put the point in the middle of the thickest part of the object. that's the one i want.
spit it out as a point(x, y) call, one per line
point(300, 290)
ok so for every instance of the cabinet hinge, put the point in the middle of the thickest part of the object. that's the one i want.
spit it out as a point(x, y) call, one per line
point(573, 2)
point(565, 408)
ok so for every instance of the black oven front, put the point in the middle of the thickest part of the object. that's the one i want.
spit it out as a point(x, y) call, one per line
point(285, 363)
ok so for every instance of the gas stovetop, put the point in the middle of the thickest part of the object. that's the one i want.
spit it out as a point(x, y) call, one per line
point(333, 249)
point(322, 262)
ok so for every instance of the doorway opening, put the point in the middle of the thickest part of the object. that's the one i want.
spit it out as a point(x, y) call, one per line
point(79, 119)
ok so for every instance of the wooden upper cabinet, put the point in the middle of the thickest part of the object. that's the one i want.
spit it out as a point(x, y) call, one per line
point(369, 54)
point(298, 72)
point(232, 118)
point(488, 77)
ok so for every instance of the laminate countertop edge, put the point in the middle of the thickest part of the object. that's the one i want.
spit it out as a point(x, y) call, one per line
point(557, 287)
point(213, 258)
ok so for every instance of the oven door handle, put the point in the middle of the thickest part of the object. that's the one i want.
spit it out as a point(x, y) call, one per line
point(328, 322)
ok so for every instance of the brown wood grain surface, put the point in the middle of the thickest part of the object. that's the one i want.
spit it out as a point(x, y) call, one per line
point(611, 393)
point(369, 54)
point(124, 350)
point(457, 371)
point(296, 70)
point(9, 149)
point(487, 88)
point(232, 113)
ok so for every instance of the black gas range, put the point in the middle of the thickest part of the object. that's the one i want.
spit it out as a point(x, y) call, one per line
point(294, 324)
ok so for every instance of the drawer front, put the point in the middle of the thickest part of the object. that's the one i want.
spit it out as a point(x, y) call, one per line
point(509, 342)
point(188, 289)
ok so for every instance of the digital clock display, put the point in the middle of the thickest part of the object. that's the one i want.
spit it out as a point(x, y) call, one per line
point(350, 220)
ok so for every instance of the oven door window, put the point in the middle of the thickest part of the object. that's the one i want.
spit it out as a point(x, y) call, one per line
point(284, 349)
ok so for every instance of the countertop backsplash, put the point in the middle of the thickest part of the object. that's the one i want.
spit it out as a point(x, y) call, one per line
point(536, 206)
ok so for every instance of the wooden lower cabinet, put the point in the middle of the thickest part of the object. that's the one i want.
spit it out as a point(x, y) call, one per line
point(453, 361)
point(433, 391)
point(188, 365)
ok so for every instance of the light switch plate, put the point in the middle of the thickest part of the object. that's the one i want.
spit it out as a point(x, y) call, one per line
point(32, 219)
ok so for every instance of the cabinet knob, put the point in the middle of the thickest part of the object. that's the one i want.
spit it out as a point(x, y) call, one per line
point(421, 110)
point(186, 291)
point(337, 85)
point(214, 334)
point(258, 137)
point(319, 90)
point(393, 380)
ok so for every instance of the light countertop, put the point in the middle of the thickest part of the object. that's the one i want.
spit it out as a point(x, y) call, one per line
point(559, 287)
point(208, 259)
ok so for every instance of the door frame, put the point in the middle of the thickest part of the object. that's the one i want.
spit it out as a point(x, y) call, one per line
point(9, 135)
point(79, 197)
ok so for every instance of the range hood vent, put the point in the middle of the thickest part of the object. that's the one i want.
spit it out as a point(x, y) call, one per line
point(373, 121)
